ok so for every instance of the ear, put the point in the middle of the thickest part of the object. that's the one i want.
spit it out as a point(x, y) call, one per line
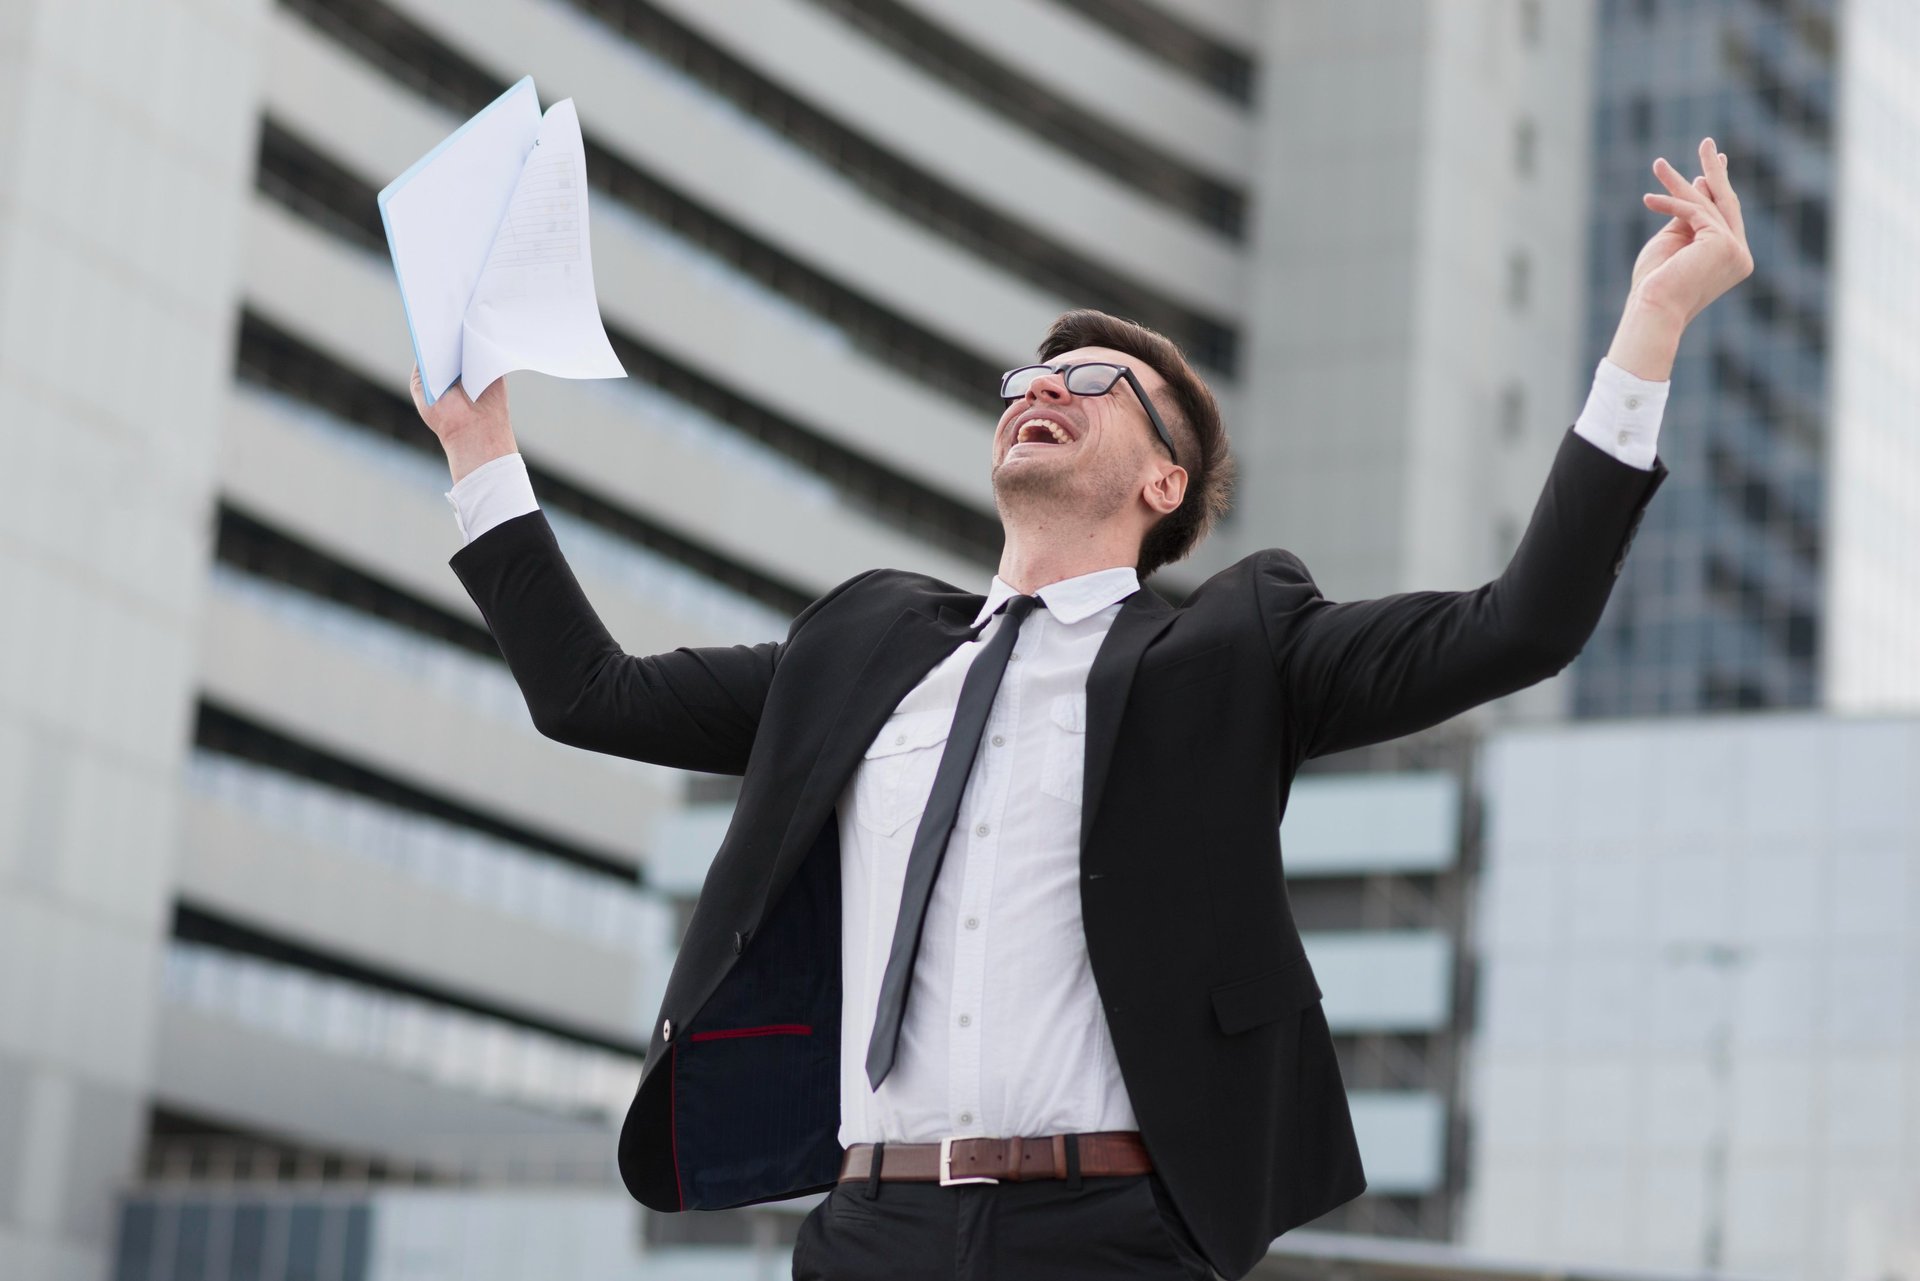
point(1165, 488)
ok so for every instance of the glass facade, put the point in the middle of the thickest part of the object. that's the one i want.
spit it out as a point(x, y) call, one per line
point(264, 1238)
point(1720, 605)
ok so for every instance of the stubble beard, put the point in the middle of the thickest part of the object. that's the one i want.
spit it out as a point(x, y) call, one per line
point(1088, 495)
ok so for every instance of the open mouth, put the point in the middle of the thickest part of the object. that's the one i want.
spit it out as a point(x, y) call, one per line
point(1041, 431)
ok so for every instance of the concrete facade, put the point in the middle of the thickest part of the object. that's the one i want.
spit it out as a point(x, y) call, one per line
point(1413, 353)
point(1872, 600)
point(126, 136)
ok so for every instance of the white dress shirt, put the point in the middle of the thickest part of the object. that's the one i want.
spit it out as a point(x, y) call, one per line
point(1004, 1033)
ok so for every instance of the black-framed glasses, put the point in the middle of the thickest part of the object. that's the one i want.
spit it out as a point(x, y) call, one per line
point(1091, 378)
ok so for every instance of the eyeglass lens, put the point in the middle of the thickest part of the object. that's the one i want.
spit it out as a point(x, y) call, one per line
point(1082, 380)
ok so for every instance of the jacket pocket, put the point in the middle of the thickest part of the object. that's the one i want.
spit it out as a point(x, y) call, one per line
point(1247, 1003)
point(896, 775)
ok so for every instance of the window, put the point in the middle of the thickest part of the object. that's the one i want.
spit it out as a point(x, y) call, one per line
point(1506, 539)
point(1530, 23)
point(1513, 408)
point(1519, 278)
point(1640, 118)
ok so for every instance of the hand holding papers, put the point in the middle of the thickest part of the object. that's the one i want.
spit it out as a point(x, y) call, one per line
point(489, 239)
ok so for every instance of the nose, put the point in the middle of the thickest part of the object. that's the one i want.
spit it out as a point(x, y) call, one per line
point(1050, 387)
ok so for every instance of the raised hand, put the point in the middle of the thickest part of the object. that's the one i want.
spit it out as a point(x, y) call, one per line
point(1702, 251)
point(1699, 255)
point(471, 431)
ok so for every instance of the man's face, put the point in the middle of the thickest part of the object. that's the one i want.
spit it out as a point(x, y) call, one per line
point(1089, 454)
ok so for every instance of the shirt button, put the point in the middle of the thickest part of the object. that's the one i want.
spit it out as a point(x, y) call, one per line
point(1633, 402)
point(973, 922)
point(982, 830)
point(1625, 437)
point(1013, 657)
point(899, 739)
point(999, 741)
point(966, 1020)
point(966, 1118)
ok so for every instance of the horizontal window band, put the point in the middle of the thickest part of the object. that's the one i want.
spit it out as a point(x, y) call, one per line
point(900, 501)
point(195, 923)
point(420, 60)
point(1151, 29)
point(1120, 155)
point(232, 732)
point(301, 176)
point(270, 357)
point(253, 545)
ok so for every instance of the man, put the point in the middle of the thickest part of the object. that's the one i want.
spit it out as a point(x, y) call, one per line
point(1008, 866)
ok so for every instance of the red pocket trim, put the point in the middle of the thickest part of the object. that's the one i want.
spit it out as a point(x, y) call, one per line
point(771, 1029)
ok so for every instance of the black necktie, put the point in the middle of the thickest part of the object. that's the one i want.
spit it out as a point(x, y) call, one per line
point(936, 827)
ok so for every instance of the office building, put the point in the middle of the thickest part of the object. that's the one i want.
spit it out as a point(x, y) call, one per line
point(290, 891)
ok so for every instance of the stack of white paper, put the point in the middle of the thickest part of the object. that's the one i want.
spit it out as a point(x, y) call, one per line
point(489, 239)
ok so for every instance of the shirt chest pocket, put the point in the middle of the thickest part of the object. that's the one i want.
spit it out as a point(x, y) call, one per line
point(1063, 762)
point(895, 776)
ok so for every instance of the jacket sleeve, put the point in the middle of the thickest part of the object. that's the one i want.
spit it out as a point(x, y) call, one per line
point(695, 709)
point(1362, 672)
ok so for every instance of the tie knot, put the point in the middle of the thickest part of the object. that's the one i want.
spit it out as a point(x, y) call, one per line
point(1018, 607)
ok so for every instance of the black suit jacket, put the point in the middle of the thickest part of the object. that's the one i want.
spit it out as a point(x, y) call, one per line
point(1197, 718)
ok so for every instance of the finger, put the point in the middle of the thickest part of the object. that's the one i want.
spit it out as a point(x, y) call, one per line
point(1698, 217)
point(1670, 179)
point(419, 392)
point(1713, 162)
point(1702, 186)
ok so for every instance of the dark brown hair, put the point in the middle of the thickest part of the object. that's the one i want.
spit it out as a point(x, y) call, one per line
point(1195, 423)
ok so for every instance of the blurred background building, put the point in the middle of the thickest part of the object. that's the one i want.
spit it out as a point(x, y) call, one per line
point(1699, 1030)
point(1776, 571)
point(316, 961)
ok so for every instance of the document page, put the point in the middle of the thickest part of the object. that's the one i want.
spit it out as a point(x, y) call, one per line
point(534, 306)
point(441, 216)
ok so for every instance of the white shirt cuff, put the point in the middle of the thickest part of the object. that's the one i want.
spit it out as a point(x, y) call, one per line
point(495, 491)
point(1622, 414)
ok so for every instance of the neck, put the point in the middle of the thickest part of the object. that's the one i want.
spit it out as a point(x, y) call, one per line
point(1033, 558)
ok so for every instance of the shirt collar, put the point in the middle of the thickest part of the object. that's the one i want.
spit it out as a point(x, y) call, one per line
point(1070, 600)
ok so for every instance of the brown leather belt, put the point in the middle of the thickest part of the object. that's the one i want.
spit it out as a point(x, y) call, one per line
point(951, 1161)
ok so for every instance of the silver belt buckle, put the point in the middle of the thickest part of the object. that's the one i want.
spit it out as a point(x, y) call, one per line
point(946, 1164)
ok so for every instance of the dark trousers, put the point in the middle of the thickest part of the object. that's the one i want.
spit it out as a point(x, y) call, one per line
point(1048, 1230)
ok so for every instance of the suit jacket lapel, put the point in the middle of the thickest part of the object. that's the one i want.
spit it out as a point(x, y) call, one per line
point(911, 647)
point(1142, 616)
